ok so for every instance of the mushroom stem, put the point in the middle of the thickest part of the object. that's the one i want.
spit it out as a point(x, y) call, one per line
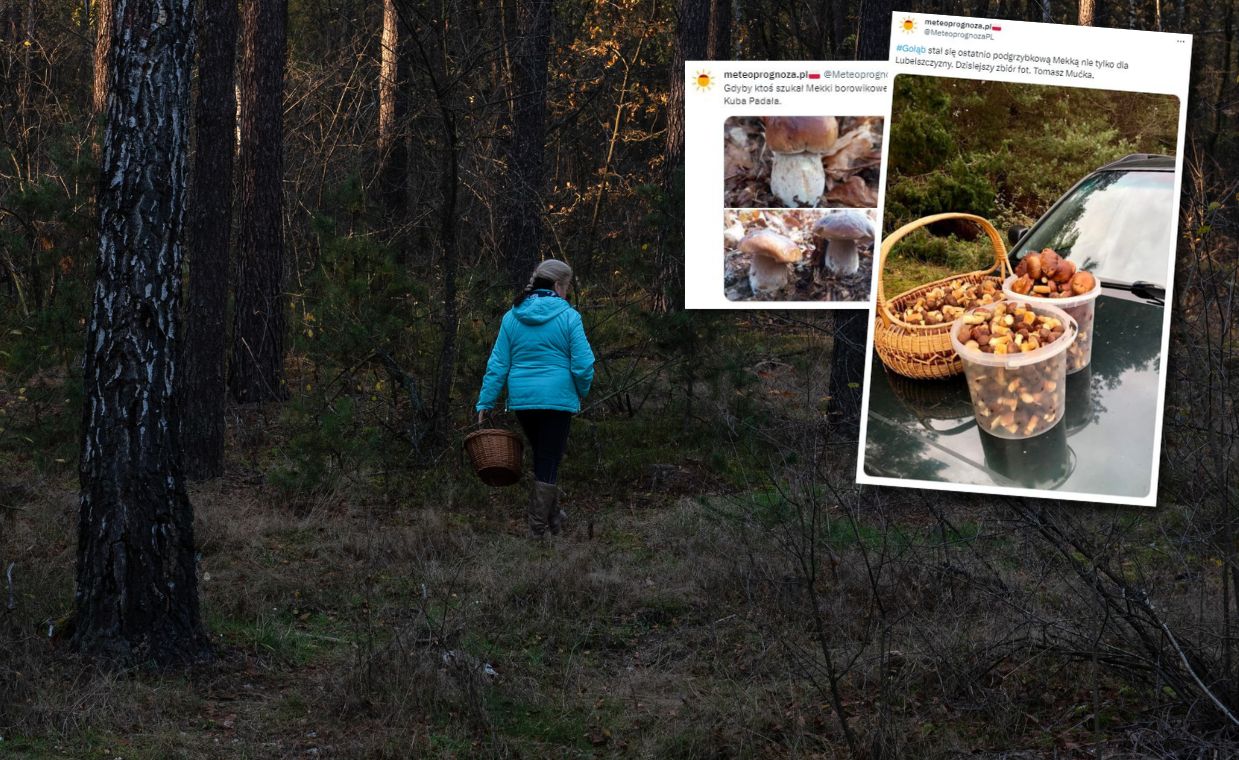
point(841, 257)
point(767, 275)
point(797, 178)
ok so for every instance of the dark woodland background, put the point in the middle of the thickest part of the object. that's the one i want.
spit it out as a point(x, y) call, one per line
point(726, 590)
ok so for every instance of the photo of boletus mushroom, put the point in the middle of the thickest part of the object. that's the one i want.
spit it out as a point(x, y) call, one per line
point(797, 255)
point(836, 238)
point(802, 161)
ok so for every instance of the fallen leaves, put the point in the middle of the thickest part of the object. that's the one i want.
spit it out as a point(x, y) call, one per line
point(852, 165)
point(853, 193)
point(796, 225)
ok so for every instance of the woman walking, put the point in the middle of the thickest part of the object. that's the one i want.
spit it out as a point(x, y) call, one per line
point(543, 357)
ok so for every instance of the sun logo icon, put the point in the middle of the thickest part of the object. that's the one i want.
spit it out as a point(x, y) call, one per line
point(908, 25)
point(703, 81)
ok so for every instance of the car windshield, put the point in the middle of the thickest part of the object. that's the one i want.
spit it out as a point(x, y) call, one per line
point(1116, 225)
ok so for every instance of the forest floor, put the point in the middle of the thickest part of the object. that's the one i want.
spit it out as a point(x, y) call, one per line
point(672, 620)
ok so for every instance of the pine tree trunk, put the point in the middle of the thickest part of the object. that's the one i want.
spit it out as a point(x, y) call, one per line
point(692, 43)
point(720, 30)
point(137, 593)
point(839, 26)
point(524, 196)
point(393, 111)
point(8, 21)
point(1219, 100)
point(1088, 9)
point(256, 371)
point(203, 387)
point(874, 36)
point(847, 363)
point(103, 44)
point(847, 370)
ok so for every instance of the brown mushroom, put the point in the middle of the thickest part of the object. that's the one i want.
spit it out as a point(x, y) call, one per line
point(1082, 282)
point(1066, 270)
point(835, 237)
point(769, 256)
point(798, 142)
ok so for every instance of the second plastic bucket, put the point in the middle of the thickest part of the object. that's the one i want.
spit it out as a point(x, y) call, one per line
point(1080, 308)
point(1023, 394)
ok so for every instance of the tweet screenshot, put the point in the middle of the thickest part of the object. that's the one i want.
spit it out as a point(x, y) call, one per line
point(782, 176)
point(1023, 281)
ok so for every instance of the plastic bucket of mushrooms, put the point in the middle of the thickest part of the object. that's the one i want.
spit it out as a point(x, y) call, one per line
point(1047, 277)
point(1015, 359)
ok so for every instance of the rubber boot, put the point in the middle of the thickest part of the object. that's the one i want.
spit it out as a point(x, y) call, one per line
point(537, 509)
point(555, 516)
point(546, 503)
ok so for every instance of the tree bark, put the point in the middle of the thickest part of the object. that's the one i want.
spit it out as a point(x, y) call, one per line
point(692, 43)
point(10, 21)
point(256, 371)
point(720, 30)
point(137, 595)
point(203, 384)
point(103, 44)
point(1218, 106)
point(847, 363)
point(1088, 9)
point(873, 38)
point(524, 197)
point(393, 112)
point(839, 26)
point(847, 370)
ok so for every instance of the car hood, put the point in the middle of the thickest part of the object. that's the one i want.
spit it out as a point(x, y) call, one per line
point(925, 429)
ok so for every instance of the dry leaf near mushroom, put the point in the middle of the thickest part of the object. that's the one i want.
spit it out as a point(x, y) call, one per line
point(946, 303)
point(1014, 401)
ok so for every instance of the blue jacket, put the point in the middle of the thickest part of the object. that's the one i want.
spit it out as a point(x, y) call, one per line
point(542, 355)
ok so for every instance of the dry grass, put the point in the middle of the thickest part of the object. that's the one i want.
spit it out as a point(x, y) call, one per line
point(418, 621)
point(356, 630)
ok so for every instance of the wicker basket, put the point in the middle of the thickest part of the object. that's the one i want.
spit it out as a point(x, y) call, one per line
point(924, 351)
point(495, 455)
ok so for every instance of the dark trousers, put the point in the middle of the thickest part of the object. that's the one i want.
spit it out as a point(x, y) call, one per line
point(547, 431)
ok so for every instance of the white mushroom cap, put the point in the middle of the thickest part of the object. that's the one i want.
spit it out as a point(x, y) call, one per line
point(770, 253)
point(837, 235)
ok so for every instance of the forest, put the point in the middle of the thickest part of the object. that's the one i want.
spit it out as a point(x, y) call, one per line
point(264, 413)
point(984, 149)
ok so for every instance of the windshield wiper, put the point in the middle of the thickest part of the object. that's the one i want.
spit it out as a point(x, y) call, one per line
point(1150, 291)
